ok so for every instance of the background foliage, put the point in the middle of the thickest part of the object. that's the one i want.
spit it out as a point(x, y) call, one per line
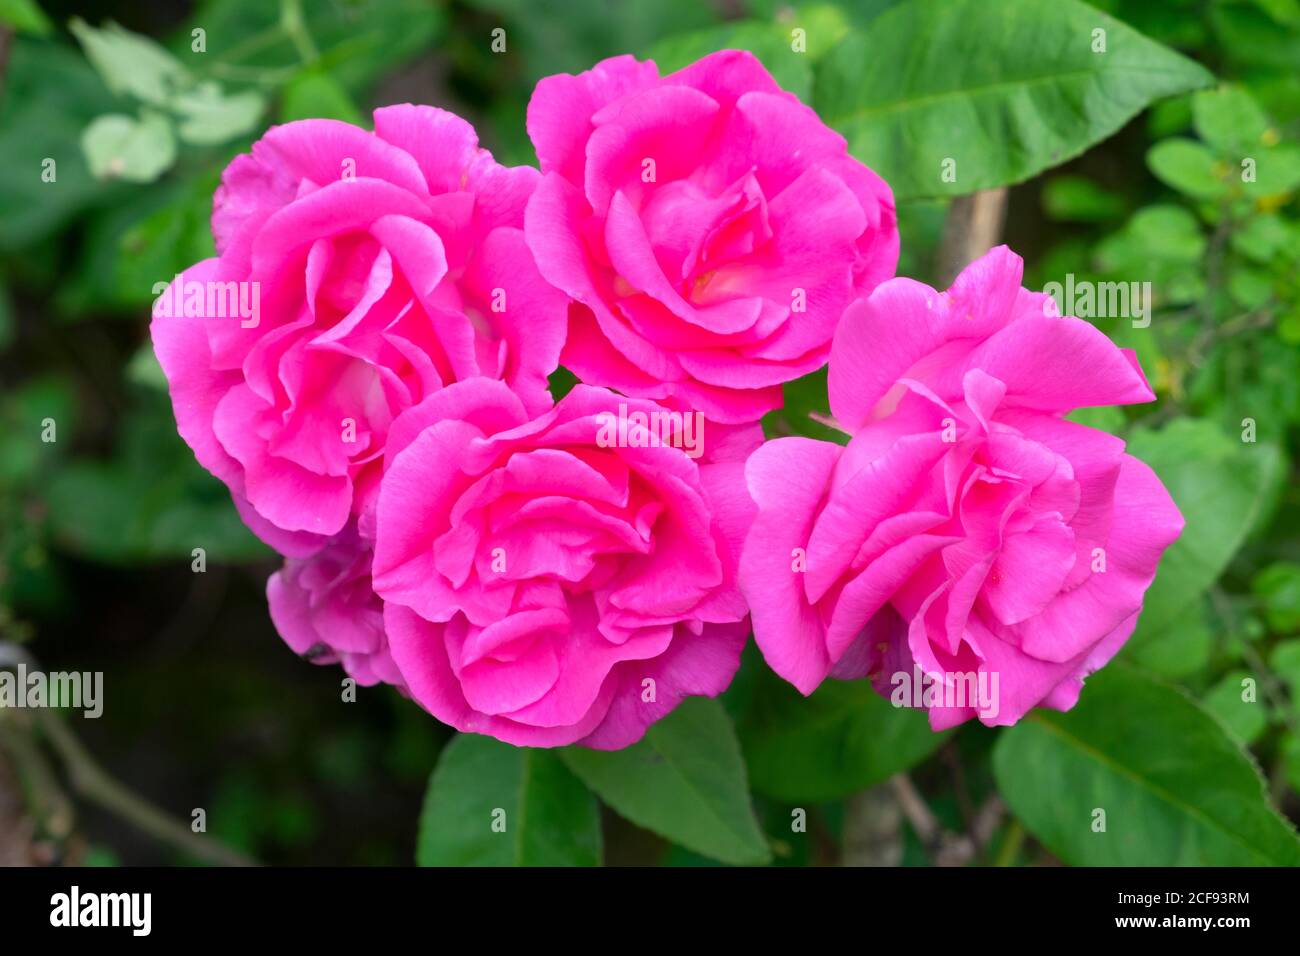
point(1125, 166)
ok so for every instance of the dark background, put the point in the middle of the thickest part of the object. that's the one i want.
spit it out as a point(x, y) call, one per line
point(205, 706)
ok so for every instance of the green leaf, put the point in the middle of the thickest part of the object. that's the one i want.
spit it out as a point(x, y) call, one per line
point(1285, 12)
point(25, 17)
point(801, 400)
point(1163, 245)
point(1168, 232)
point(103, 512)
point(1285, 661)
point(358, 40)
point(1288, 327)
point(491, 804)
point(1249, 287)
point(142, 240)
point(314, 94)
point(131, 64)
point(1176, 649)
point(1175, 788)
point(135, 150)
point(1229, 119)
point(685, 780)
point(1005, 88)
point(1190, 168)
point(1071, 198)
point(1277, 172)
point(23, 414)
point(1219, 485)
point(1176, 23)
point(561, 382)
point(151, 501)
point(842, 739)
point(1170, 117)
point(556, 36)
point(209, 116)
point(770, 42)
point(1248, 35)
point(858, 12)
point(162, 243)
point(1261, 237)
point(1245, 719)
point(1291, 760)
point(1106, 418)
point(144, 370)
point(824, 25)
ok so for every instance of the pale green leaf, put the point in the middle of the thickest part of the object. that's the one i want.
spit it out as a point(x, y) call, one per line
point(131, 64)
point(123, 147)
point(208, 115)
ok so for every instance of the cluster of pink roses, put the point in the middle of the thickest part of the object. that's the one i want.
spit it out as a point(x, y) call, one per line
point(691, 243)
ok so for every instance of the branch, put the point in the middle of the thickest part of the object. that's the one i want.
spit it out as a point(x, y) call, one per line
point(943, 846)
point(18, 842)
point(872, 829)
point(6, 41)
point(973, 227)
point(91, 781)
point(95, 784)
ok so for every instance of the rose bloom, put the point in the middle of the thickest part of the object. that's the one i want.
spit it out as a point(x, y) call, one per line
point(710, 228)
point(967, 527)
point(326, 611)
point(382, 267)
point(547, 585)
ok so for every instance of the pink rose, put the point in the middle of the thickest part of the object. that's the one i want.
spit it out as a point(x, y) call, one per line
point(326, 611)
point(709, 226)
point(545, 584)
point(357, 274)
point(967, 535)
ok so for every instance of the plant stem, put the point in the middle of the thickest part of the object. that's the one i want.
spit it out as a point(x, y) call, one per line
point(6, 38)
point(292, 20)
point(872, 829)
point(973, 227)
point(91, 781)
point(95, 784)
point(1015, 838)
